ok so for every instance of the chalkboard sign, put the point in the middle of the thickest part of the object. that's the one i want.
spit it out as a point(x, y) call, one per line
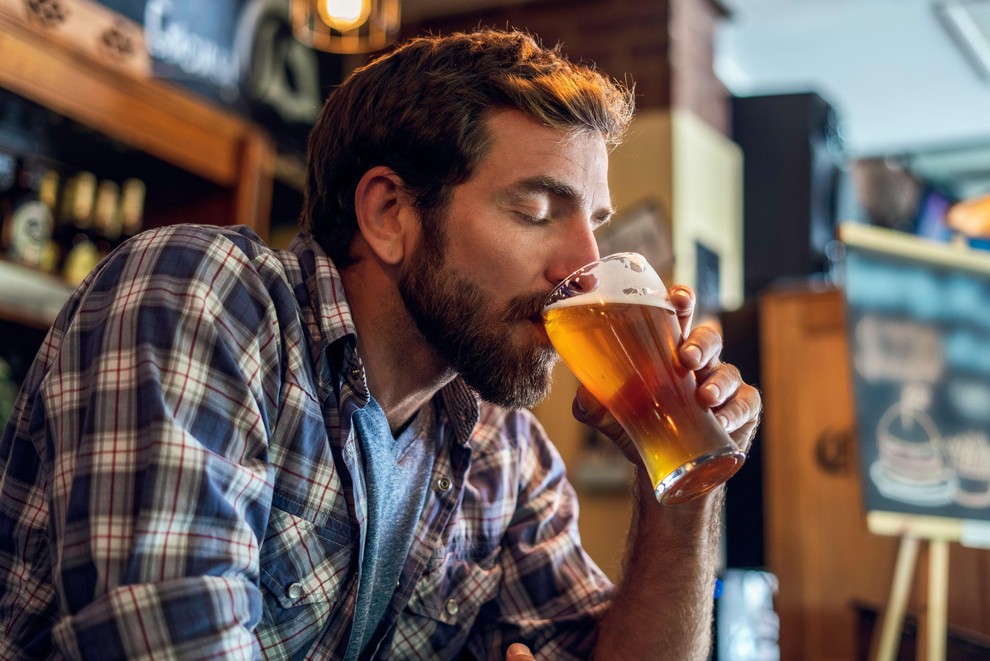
point(918, 319)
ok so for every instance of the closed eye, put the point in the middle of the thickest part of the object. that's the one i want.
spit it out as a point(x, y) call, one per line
point(534, 220)
point(601, 220)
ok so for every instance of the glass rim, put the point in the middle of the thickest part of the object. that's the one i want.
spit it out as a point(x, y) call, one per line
point(601, 260)
point(550, 299)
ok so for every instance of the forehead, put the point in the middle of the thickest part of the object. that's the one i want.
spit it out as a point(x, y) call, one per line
point(521, 147)
point(508, 126)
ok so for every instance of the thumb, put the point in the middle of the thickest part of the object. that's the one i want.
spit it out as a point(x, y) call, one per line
point(518, 652)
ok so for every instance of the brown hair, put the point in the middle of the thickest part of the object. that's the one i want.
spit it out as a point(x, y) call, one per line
point(420, 110)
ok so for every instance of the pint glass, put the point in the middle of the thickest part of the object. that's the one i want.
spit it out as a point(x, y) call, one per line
point(613, 324)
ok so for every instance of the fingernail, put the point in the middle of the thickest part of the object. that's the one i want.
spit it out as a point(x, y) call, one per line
point(693, 352)
point(722, 420)
point(713, 391)
point(519, 650)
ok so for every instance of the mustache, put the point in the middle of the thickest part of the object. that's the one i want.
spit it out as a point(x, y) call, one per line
point(526, 307)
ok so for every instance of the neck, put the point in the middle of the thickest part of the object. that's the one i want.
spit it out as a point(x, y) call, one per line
point(404, 372)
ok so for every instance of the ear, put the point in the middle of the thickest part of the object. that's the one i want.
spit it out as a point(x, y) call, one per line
point(385, 214)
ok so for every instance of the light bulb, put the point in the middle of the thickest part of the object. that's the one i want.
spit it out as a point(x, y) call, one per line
point(344, 15)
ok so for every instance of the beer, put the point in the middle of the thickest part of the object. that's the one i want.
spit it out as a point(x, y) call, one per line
point(625, 353)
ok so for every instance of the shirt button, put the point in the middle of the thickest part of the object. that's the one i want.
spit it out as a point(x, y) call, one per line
point(451, 607)
point(444, 484)
point(356, 373)
point(295, 591)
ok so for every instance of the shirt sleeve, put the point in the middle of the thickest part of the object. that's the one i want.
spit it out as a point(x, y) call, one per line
point(553, 594)
point(156, 410)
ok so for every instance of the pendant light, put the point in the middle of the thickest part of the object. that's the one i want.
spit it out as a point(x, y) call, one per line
point(345, 26)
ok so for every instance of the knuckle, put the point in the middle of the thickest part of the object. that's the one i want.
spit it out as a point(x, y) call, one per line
point(708, 339)
point(711, 335)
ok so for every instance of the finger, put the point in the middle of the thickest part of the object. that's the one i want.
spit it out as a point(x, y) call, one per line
point(586, 407)
point(682, 299)
point(588, 410)
point(701, 349)
point(717, 384)
point(519, 652)
point(740, 415)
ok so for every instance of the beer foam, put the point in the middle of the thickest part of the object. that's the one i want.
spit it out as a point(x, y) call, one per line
point(619, 278)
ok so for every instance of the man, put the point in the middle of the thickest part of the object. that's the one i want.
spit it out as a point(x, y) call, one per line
point(228, 451)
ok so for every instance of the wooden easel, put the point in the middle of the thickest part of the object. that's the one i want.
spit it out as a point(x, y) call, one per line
point(913, 529)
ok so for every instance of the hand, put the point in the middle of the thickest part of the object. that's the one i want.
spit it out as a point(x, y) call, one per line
point(736, 404)
point(518, 652)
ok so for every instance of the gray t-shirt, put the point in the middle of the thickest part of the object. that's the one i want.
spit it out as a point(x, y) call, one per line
point(397, 475)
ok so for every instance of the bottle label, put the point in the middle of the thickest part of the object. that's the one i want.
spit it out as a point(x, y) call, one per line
point(30, 235)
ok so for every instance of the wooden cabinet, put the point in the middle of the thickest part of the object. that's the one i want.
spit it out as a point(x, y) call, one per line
point(146, 115)
point(226, 163)
point(817, 542)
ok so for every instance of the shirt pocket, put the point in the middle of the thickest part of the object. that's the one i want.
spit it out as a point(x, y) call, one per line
point(455, 585)
point(303, 563)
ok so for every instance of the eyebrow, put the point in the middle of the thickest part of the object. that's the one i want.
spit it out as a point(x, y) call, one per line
point(554, 186)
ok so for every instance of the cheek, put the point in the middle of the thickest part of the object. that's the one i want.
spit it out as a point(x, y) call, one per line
point(499, 263)
point(497, 254)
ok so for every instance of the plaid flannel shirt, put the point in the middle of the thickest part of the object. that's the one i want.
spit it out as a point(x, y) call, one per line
point(180, 479)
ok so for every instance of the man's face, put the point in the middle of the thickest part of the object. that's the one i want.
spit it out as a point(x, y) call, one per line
point(518, 226)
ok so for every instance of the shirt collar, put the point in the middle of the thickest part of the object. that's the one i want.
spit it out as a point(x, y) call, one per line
point(326, 291)
point(461, 408)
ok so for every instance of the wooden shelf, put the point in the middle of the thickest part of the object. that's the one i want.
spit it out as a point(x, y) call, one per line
point(30, 297)
point(145, 114)
point(233, 156)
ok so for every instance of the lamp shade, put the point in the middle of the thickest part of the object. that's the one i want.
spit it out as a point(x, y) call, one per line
point(345, 26)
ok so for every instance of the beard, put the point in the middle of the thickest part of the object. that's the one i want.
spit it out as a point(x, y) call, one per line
point(457, 319)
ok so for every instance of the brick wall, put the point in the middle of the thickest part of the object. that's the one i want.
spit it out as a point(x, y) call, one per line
point(694, 84)
point(626, 39)
point(663, 47)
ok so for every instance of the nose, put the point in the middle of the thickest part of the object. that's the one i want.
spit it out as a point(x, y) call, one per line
point(577, 248)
